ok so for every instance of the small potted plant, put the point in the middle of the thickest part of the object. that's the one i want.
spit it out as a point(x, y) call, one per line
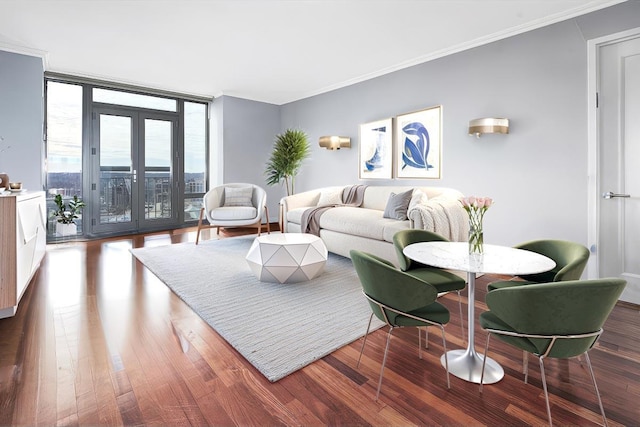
point(66, 216)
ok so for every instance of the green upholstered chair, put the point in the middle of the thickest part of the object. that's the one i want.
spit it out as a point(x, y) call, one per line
point(399, 300)
point(570, 258)
point(443, 280)
point(559, 320)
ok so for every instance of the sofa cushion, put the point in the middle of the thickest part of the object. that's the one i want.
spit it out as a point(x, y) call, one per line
point(397, 205)
point(234, 213)
point(238, 196)
point(392, 227)
point(356, 221)
point(295, 215)
point(353, 220)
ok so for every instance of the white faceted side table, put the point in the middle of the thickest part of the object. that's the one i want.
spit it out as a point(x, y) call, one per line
point(287, 257)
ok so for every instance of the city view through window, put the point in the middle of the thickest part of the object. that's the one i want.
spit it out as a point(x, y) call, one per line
point(118, 168)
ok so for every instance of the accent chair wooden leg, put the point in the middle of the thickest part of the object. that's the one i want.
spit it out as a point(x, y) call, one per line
point(199, 225)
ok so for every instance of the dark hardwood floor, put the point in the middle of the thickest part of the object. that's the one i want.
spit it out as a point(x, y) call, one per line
point(96, 341)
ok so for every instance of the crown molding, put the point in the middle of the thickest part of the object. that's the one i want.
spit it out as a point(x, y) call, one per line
point(500, 35)
point(23, 50)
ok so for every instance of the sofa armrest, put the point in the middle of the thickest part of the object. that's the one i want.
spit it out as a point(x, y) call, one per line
point(441, 215)
point(295, 201)
point(300, 200)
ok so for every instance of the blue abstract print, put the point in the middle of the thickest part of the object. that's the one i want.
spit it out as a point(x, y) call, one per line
point(416, 146)
point(377, 161)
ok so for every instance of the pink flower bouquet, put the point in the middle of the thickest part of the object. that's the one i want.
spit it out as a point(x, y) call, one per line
point(476, 207)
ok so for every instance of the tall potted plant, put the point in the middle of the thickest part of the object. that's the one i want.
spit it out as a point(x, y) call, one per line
point(289, 150)
point(65, 216)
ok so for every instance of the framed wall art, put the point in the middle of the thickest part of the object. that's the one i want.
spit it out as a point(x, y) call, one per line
point(375, 159)
point(419, 144)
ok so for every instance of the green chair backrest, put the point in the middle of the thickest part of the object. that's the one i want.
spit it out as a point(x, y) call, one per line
point(386, 284)
point(404, 238)
point(558, 308)
point(571, 259)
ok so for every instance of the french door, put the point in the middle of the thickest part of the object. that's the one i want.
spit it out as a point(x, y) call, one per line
point(134, 170)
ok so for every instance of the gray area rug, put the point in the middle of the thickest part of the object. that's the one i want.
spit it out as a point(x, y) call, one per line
point(278, 328)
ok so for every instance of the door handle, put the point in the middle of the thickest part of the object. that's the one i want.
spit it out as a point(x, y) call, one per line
point(611, 195)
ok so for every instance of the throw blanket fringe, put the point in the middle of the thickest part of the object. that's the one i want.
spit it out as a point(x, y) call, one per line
point(445, 217)
point(352, 195)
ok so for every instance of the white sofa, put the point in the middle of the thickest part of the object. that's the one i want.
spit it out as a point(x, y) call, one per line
point(363, 228)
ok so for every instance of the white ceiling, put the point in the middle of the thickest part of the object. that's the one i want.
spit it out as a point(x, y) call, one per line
point(275, 51)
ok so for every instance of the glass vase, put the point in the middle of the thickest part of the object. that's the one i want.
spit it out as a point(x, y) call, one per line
point(476, 238)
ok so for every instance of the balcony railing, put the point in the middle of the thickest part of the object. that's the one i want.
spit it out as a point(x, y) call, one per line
point(115, 196)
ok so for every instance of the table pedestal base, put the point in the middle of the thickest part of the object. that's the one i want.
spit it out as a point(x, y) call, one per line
point(467, 365)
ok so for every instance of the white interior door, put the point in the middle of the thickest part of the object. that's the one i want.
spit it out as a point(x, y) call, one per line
point(618, 152)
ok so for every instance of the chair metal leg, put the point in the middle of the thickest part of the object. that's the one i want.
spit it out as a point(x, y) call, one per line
point(461, 318)
point(595, 386)
point(199, 225)
point(426, 337)
point(426, 340)
point(546, 393)
point(384, 361)
point(446, 358)
point(484, 360)
point(525, 366)
point(365, 340)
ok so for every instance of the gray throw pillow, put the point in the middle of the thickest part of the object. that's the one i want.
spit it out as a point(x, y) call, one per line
point(238, 196)
point(397, 206)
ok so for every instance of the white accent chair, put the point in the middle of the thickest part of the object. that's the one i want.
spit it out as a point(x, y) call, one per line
point(234, 205)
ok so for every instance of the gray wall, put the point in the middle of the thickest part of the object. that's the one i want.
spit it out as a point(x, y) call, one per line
point(537, 174)
point(22, 118)
point(248, 129)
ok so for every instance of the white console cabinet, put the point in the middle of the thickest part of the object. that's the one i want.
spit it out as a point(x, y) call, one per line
point(23, 240)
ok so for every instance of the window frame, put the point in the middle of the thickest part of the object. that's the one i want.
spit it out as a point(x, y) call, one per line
point(87, 115)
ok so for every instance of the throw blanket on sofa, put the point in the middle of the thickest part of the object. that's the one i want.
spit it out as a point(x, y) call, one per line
point(445, 217)
point(352, 195)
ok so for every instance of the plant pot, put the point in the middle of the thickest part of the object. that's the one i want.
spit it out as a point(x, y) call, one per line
point(63, 230)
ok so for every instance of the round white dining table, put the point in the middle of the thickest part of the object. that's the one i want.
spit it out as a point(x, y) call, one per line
point(467, 363)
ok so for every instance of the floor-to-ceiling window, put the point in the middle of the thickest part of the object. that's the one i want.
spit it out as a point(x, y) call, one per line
point(195, 158)
point(138, 160)
point(64, 146)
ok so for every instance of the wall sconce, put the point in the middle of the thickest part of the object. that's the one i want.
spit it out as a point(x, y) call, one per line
point(488, 125)
point(335, 142)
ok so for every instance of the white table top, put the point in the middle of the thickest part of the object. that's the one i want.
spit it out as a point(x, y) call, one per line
point(288, 238)
point(496, 259)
